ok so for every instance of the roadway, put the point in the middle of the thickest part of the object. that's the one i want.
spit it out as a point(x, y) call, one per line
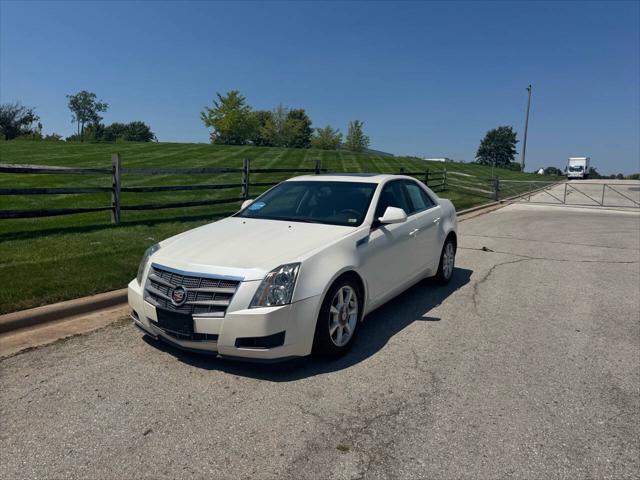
point(526, 366)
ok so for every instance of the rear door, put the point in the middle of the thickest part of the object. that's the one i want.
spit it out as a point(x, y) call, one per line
point(425, 213)
point(389, 255)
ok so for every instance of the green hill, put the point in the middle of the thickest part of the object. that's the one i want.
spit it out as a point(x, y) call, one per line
point(57, 258)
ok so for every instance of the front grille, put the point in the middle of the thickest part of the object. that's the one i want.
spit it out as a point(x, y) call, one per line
point(206, 296)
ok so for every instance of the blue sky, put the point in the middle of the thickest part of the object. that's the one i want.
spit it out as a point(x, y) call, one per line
point(428, 79)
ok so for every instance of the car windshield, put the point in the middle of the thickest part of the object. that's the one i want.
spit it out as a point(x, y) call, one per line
point(575, 168)
point(334, 203)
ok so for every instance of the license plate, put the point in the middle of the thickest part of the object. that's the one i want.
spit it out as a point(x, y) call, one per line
point(176, 322)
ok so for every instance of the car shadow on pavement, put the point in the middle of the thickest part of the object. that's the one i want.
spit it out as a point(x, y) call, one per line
point(378, 328)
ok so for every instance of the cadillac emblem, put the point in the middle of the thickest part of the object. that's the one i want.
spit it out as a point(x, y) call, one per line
point(178, 296)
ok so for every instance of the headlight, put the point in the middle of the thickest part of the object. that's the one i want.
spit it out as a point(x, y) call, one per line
point(277, 286)
point(145, 258)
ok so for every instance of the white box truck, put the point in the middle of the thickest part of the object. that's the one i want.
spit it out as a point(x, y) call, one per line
point(578, 167)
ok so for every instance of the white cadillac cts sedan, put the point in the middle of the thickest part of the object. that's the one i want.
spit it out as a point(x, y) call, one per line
point(296, 270)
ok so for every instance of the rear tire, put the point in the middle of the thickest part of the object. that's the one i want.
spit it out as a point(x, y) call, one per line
point(338, 320)
point(447, 262)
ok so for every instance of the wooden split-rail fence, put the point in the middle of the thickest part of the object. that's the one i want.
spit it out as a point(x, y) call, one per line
point(436, 180)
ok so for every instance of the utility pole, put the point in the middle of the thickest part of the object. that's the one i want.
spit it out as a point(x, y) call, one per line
point(526, 128)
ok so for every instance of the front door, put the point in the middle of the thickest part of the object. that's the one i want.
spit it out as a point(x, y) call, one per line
point(390, 255)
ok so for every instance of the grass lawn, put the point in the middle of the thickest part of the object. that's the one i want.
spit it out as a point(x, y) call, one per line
point(45, 260)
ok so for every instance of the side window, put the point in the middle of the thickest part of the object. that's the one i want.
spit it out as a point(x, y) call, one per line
point(417, 197)
point(392, 195)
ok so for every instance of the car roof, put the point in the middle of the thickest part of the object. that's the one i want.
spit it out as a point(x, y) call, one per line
point(346, 177)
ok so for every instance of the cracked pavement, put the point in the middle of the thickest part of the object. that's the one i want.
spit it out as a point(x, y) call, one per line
point(527, 366)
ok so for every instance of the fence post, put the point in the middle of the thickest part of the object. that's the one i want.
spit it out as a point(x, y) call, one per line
point(116, 167)
point(317, 166)
point(401, 169)
point(246, 170)
point(426, 177)
point(496, 187)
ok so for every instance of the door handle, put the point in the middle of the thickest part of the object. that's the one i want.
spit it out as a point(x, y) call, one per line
point(436, 220)
point(413, 232)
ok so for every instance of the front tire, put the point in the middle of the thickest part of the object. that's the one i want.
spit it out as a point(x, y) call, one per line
point(447, 261)
point(338, 319)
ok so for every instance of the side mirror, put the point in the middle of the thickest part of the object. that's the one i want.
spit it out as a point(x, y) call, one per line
point(393, 215)
point(246, 203)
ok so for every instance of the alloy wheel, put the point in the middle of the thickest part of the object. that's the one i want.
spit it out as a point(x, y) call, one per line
point(448, 260)
point(343, 315)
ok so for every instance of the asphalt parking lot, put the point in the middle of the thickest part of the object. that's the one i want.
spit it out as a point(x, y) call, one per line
point(526, 366)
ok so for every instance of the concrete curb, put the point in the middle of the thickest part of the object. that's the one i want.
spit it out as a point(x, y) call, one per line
point(479, 207)
point(58, 311)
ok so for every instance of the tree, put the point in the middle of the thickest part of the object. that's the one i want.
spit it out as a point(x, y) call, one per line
point(114, 132)
point(230, 118)
point(297, 131)
point(326, 138)
point(93, 132)
point(498, 147)
point(356, 140)
point(261, 118)
point(16, 120)
point(138, 131)
point(283, 127)
point(85, 109)
point(129, 132)
point(275, 127)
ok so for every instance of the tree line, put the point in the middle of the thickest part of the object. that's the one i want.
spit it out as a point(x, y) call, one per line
point(234, 122)
point(19, 121)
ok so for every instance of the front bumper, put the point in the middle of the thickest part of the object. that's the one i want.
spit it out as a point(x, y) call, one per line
point(227, 336)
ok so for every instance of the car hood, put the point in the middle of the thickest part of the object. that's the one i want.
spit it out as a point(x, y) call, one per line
point(245, 247)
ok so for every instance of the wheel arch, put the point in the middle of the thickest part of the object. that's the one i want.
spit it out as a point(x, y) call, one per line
point(454, 237)
point(358, 279)
point(361, 284)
